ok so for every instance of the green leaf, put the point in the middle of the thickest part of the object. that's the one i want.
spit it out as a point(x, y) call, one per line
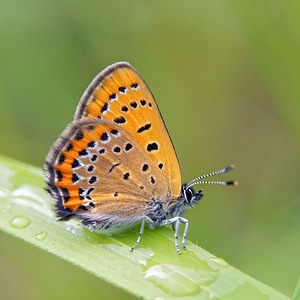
point(296, 294)
point(153, 270)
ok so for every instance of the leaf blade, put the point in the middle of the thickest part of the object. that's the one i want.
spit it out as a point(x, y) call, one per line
point(152, 270)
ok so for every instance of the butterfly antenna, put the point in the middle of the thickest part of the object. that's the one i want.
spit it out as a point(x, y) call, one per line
point(225, 170)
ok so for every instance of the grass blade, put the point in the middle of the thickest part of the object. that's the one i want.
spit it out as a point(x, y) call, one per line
point(153, 270)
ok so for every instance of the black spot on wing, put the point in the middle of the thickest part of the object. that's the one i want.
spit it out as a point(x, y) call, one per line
point(115, 132)
point(93, 179)
point(81, 191)
point(75, 163)
point(145, 167)
point(144, 128)
point(75, 178)
point(120, 120)
point(83, 152)
point(122, 90)
point(91, 128)
point(124, 108)
point(117, 149)
point(104, 137)
point(83, 206)
point(61, 159)
point(79, 136)
point(128, 146)
point(91, 144)
point(65, 194)
point(133, 104)
point(94, 157)
point(134, 86)
point(90, 190)
point(101, 151)
point(59, 175)
point(113, 97)
point(69, 147)
point(105, 108)
point(152, 147)
point(91, 168)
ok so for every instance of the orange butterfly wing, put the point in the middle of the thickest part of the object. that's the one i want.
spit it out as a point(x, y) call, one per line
point(98, 164)
point(119, 94)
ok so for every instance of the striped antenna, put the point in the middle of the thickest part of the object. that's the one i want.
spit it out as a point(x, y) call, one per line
point(225, 170)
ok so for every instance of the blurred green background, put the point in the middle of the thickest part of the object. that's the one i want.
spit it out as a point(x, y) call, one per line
point(226, 76)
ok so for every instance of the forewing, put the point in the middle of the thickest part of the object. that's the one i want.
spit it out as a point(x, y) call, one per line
point(120, 95)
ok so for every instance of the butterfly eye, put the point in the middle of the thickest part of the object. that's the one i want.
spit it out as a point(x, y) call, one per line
point(189, 194)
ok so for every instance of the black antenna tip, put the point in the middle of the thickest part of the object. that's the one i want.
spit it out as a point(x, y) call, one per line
point(233, 182)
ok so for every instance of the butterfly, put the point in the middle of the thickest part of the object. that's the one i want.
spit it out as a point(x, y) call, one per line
point(115, 165)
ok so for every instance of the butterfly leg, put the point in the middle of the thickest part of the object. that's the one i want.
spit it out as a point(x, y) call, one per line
point(186, 229)
point(140, 235)
point(177, 221)
point(177, 228)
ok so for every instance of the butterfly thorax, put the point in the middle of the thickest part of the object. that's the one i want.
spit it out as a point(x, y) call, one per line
point(171, 208)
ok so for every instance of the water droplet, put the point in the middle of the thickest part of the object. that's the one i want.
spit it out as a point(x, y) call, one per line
point(147, 252)
point(72, 229)
point(220, 262)
point(179, 281)
point(139, 255)
point(7, 210)
point(142, 262)
point(144, 254)
point(20, 222)
point(41, 236)
point(248, 291)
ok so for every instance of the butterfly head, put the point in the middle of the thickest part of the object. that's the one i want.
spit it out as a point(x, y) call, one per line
point(188, 194)
point(190, 197)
